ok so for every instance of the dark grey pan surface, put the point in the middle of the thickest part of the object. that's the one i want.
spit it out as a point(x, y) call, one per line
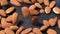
point(26, 22)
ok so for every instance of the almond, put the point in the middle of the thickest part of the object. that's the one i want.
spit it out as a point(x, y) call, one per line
point(37, 31)
point(13, 27)
point(14, 17)
point(33, 1)
point(32, 7)
point(15, 2)
point(34, 12)
point(51, 31)
point(26, 31)
point(20, 0)
point(27, 1)
point(20, 30)
point(9, 31)
point(31, 33)
point(40, 1)
point(25, 11)
point(47, 10)
point(2, 12)
point(42, 11)
point(59, 23)
point(38, 5)
point(52, 4)
point(9, 10)
point(3, 2)
point(2, 32)
point(0, 17)
point(56, 10)
point(52, 21)
point(46, 2)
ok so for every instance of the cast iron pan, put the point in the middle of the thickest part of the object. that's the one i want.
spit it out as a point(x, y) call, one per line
point(26, 22)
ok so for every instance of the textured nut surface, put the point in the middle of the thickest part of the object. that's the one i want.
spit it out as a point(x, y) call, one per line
point(59, 23)
point(9, 31)
point(2, 12)
point(15, 2)
point(46, 2)
point(25, 11)
point(37, 31)
point(41, 11)
point(47, 10)
point(9, 10)
point(52, 4)
point(56, 10)
point(26, 31)
point(40, 1)
point(20, 30)
point(51, 31)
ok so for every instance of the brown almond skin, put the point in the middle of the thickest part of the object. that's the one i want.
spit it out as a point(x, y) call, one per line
point(27, 1)
point(26, 31)
point(20, 0)
point(41, 11)
point(59, 23)
point(34, 12)
point(37, 31)
point(51, 31)
point(31, 33)
point(4, 2)
point(9, 31)
point(46, 2)
point(40, 1)
point(25, 11)
point(2, 32)
point(15, 3)
point(20, 30)
point(33, 1)
point(52, 4)
point(2, 12)
point(52, 21)
point(13, 27)
point(38, 5)
point(9, 10)
point(0, 17)
point(47, 9)
point(32, 7)
point(14, 17)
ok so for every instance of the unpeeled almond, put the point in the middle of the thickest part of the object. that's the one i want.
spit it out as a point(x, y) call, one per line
point(40, 1)
point(2, 32)
point(9, 10)
point(41, 11)
point(20, 0)
point(59, 23)
point(33, 1)
point(46, 2)
point(31, 33)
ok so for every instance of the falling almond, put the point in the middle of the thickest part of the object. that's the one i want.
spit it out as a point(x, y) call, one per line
point(46, 2)
point(2, 12)
point(9, 10)
point(25, 11)
point(15, 2)
point(34, 12)
point(59, 23)
point(38, 5)
point(52, 4)
point(40, 1)
point(47, 9)
point(56, 10)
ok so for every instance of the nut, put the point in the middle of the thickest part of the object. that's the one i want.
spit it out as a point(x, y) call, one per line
point(31, 33)
point(20, 0)
point(2, 32)
point(59, 23)
point(46, 2)
point(40, 1)
point(42, 11)
point(33, 1)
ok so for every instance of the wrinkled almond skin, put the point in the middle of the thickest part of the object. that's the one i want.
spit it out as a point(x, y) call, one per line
point(20, 30)
point(34, 12)
point(38, 5)
point(56, 10)
point(3, 2)
point(52, 4)
point(31, 33)
point(40, 1)
point(13, 27)
point(52, 21)
point(14, 17)
point(15, 3)
point(9, 10)
point(33, 1)
point(26, 31)
point(47, 10)
point(41, 11)
point(2, 12)
point(20, 0)
point(25, 11)
point(46, 2)
point(27, 1)
point(59, 23)
point(32, 7)
point(37, 31)
point(51, 31)
point(9, 31)
point(43, 28)
point(2, 32)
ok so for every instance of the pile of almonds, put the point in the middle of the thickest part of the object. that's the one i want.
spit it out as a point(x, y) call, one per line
point(8, 24)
